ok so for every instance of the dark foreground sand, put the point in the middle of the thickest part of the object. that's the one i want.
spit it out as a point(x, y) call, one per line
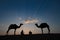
point(52, 36)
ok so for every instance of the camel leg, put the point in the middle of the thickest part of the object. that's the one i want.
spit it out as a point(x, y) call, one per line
point(42, 30)
point(48, 30)
point(14, 31)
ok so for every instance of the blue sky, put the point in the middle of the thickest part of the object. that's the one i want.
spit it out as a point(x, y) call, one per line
point(17, 11)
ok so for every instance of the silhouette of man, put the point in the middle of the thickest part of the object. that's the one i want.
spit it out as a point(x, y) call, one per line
point(22, 33)
point(30, 32)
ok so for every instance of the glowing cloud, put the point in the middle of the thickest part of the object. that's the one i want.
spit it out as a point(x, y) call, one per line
point(31, 21)
point(28, 20)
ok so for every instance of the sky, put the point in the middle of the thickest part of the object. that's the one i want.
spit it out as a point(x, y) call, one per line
point(29, 12)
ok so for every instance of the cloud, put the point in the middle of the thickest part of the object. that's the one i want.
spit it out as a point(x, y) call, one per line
point(28, 20)
point(31, 21)
point(19, 18)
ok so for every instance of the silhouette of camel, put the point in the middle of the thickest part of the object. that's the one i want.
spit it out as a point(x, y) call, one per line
point(43, 25)
point(13, 26)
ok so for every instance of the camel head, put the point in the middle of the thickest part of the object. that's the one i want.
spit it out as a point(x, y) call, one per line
point(20, 24)
point(36, 24)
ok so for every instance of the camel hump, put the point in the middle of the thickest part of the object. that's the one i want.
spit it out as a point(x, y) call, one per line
point(13, 26)
point(44, 24)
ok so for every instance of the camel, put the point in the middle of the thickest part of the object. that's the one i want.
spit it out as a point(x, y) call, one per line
point(13, 26)
point(43, 25)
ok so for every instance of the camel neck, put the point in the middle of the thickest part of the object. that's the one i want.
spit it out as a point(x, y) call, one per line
point(19, 26)
point(37, 25)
